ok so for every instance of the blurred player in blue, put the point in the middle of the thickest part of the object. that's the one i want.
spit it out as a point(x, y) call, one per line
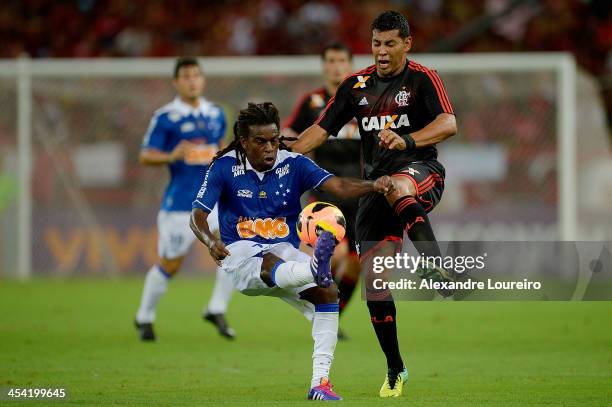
point(184, 135)
point(258, 188)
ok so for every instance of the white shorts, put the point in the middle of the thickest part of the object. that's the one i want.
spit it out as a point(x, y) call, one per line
point(175, 237)
point(243, 265)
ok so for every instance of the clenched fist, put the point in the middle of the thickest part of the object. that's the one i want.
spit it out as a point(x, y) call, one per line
point(384, 185)
point(218, 251)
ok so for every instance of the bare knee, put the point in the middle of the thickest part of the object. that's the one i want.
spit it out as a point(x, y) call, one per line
point(269, 261)
point(403, 187)
point(328, 295)
point(320, 295)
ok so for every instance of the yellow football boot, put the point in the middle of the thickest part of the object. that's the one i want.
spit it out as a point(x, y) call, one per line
point(389, 389)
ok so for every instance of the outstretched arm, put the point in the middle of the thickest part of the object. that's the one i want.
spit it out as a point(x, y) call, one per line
point(352, 188)
point(199, 225)
point(310, 139)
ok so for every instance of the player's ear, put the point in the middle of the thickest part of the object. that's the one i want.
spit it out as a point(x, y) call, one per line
point(407, 43)
point(243, 142)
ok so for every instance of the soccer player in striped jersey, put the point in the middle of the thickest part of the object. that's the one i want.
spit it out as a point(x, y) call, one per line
point(337, 156)
point(403, 111)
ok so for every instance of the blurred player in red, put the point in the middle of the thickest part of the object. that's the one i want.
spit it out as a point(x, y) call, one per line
point(336, 156)
point(403, 111)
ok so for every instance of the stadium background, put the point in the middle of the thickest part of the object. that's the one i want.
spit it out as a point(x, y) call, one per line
point(93, 206)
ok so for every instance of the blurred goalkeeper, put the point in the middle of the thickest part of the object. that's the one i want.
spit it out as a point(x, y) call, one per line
point(184, 135)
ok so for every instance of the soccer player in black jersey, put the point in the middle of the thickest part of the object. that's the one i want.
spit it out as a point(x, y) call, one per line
point(337, 156)
point(402, 111)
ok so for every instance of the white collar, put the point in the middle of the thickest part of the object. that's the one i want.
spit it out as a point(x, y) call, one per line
point(186, 109)
point(260, 175)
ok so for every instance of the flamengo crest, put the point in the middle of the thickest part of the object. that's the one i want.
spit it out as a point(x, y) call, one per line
point(402, 98)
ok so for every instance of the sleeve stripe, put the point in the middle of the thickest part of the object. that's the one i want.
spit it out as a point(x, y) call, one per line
point(152, 125)
point(443, 101)
point(437, 82)
point(201, 204)
point(441, 92)
point(369, 69)
point(325, 111)
point(325, 178)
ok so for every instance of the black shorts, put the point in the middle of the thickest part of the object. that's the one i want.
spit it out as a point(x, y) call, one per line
point(376, 220)
point(349, 210)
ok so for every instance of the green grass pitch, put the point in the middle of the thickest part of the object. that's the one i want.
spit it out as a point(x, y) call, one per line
point(78, 334)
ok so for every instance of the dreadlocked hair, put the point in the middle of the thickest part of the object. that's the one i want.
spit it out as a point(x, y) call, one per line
point(256, 114)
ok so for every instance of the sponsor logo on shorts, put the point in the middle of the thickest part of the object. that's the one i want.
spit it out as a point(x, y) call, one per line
point(267, 228)
point(176, 240)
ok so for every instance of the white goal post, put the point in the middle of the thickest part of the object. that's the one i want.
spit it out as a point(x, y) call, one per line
point(25, 70)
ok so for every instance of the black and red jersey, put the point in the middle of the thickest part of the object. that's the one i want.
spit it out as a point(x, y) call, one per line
point(404, 103)
point(337, 155)
point(308, 110)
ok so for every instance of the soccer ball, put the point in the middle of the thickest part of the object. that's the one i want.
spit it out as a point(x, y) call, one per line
point(317, 217)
